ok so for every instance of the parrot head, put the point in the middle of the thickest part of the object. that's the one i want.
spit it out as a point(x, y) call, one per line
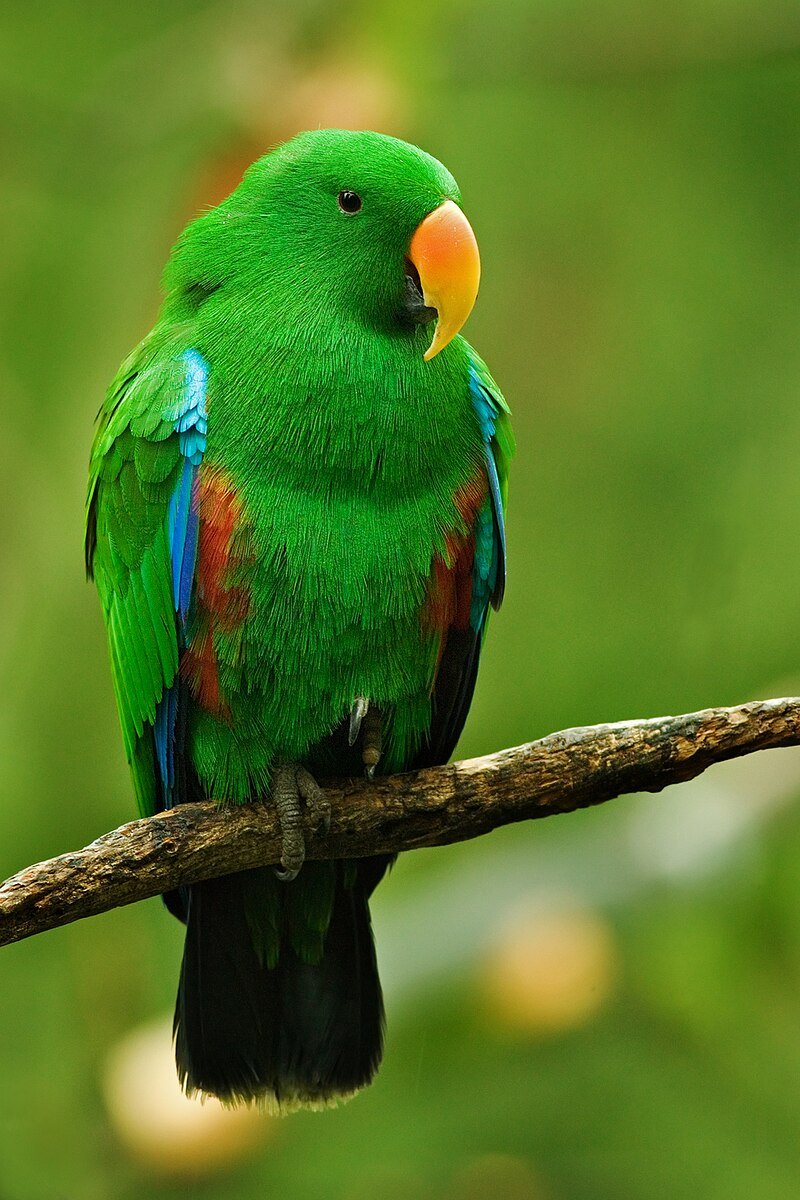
point(355, 222)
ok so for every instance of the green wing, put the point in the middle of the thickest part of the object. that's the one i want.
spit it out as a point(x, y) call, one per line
point(485, 577)
point(135, 467)
point(494, 416)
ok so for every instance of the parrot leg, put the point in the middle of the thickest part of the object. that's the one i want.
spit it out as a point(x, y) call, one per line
point(293, 785)
point(365, 719)
point(372, 741)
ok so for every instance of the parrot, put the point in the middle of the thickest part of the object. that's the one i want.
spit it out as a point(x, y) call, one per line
point(295, 524)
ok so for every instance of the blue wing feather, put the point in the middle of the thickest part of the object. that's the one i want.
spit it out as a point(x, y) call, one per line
point(190, 421)
point(182, 549)
point(490, 542)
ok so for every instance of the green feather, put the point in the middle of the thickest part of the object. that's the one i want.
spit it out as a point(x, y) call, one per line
point(132, 477)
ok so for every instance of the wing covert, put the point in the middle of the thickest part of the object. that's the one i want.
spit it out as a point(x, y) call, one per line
point(141, 548)
point(473, 579)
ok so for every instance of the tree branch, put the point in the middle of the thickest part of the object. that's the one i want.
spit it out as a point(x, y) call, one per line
point(560, 773)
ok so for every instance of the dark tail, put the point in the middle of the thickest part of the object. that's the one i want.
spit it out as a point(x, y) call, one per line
point(294, 1033)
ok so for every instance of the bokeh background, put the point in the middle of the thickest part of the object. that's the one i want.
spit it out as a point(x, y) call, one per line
point(606, 1005)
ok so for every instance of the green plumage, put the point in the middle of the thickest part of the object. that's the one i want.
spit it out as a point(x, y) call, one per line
point(332, 480)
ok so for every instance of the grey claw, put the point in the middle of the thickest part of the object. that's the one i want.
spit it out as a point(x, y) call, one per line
point(293, 855)
point(357, 714)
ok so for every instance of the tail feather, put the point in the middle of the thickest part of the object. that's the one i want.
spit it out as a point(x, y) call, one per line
point(227, 1004)
point(332, 1014)
point(287, 1034)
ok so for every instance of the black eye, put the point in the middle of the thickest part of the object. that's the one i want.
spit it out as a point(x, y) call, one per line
point(349, 202)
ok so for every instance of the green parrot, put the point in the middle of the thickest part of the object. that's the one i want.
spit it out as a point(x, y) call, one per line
point(295, 525)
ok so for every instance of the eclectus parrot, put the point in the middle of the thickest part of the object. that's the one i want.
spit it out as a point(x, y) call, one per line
point(295, 524)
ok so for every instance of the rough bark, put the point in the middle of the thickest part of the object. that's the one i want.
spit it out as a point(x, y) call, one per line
point(572, 769)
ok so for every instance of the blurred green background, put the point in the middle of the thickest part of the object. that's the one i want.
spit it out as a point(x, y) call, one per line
point(604, 1006)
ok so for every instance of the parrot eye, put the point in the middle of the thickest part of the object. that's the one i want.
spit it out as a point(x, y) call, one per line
point(349, 202)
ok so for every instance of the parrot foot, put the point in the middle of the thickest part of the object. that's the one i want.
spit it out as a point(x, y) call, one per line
point(365, 719)
point(293, 785)
point(372, 744)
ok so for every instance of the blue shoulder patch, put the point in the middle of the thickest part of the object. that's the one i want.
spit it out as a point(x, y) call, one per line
point(192, 420)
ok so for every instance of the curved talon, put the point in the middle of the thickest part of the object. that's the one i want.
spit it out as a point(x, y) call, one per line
point(357, 714)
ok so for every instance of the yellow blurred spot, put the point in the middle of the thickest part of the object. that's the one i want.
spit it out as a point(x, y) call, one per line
point(497, 1175)
point(161, 1127)
point(548, 972)
point(345, 94)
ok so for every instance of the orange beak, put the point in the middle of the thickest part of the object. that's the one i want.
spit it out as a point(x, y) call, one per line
point(445, 253)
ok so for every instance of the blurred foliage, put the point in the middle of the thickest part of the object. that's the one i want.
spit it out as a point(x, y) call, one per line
point(633, 174)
